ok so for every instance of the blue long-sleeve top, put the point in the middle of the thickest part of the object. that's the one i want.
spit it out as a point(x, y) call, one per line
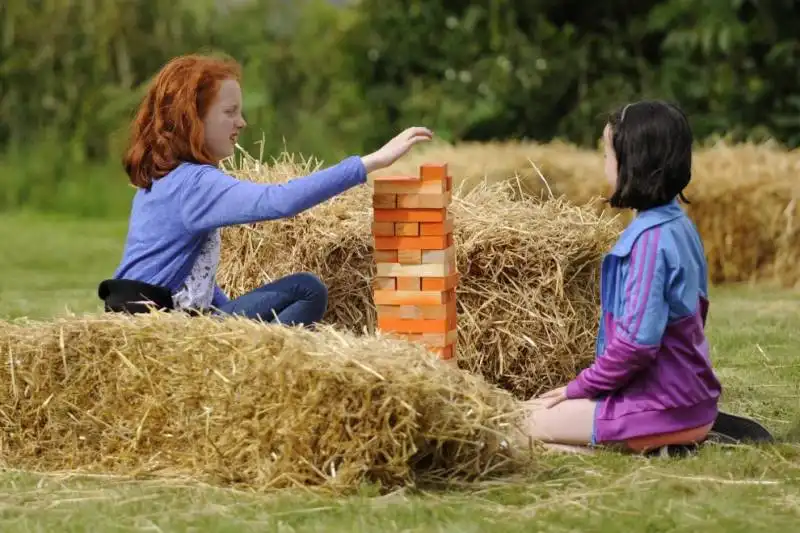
point(169, 222)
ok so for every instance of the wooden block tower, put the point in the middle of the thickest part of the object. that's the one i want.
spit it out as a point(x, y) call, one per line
point(415, 283)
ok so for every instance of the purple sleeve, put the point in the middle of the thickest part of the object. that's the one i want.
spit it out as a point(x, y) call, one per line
point(220, 298)
point(212, 199)
point(639, 327)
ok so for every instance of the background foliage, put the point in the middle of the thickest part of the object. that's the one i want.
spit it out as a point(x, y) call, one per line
point(330, 79)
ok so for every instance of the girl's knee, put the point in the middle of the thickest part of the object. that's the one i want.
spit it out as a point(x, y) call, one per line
point(314, 291)
point(313, 285)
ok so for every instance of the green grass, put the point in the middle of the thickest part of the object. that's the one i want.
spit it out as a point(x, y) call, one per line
point(49, 264)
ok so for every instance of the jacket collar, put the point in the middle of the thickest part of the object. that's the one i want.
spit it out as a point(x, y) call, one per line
point(644, 221)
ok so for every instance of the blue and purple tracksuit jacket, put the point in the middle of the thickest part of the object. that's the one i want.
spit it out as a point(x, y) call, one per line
point(652, 372)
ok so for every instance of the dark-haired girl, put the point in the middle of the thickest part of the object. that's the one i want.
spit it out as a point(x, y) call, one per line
point(652, 382)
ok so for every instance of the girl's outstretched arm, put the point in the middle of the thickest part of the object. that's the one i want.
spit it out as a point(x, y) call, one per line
point(639, 327)
point(212, 199)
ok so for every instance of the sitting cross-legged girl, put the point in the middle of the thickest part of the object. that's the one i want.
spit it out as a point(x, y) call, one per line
point(187, 124)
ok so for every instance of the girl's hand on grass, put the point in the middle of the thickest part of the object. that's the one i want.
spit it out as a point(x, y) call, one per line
point(554, 397)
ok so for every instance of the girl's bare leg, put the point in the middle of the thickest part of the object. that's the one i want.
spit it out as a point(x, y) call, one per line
point(569, 422)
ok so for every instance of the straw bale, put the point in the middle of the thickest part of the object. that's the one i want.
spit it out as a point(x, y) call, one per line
point(237, 402)
point(556, 168)
point(744, 200)
point(744, 196)
point(527, 298)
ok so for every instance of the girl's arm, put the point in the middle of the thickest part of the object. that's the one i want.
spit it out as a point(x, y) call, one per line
point(212, 199)
point(638, 329)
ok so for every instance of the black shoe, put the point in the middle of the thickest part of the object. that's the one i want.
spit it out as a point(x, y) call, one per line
point(732, 429)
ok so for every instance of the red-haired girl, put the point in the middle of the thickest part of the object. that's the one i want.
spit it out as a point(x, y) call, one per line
point(188, 122)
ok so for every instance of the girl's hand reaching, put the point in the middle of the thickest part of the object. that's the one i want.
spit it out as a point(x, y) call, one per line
point(396, 148)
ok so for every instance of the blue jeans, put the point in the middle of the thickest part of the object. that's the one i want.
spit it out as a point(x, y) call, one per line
point(296, 299)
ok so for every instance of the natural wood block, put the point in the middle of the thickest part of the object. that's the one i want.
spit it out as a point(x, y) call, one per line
point(439, 283)
point(424, 270)
point(384, 256)
point(424, 201)
point(409, 215)
point(438, 340)
point(430, 242)
point(408, 186)
point(449, 183)
point(384, 284)
point(383, 229)
point(416, 312)
point(384, 201)
point(382, 297)
point(409, 257)
point(409, 284)
point(400, 325)
point(405, 229)
point(433, 171)
point(436, 228)
point(439, 256)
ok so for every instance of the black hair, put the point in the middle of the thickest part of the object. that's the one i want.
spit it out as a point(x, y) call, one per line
point(652, 141)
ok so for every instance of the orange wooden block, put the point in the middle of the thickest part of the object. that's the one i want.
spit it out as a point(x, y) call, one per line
point(424, 201)
point(383, 297)
point(409, 284)
point(409, 215)
point(439, 284)
point(408, 186)
point(436, 228)
point(384, 256)
point(405, 229)
point(409, 257)
point(447, 352)
point(447, 312)
point(384, 284)
point(449, 183)
point(433, 171)
point(384, 201)
point(383, 229)
point(450, 240)
point(452, 314)
point(430, 242)
point(412, 326)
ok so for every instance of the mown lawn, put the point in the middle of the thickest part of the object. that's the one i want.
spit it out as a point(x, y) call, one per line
point(48, 265)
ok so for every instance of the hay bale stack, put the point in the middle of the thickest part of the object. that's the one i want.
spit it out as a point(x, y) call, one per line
point(554, 169)
point(528, 292)
point(235, 402)
point(744, 200)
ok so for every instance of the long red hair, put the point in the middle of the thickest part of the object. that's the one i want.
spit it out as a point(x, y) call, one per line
point(168, 128)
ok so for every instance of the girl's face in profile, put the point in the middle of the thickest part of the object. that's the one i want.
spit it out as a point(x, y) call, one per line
point(224, 120)
point(610, 157)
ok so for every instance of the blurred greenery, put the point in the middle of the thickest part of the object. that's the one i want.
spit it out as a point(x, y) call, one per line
point(332, 79)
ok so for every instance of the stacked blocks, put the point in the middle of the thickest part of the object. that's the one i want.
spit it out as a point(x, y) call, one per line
point(415, 283)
